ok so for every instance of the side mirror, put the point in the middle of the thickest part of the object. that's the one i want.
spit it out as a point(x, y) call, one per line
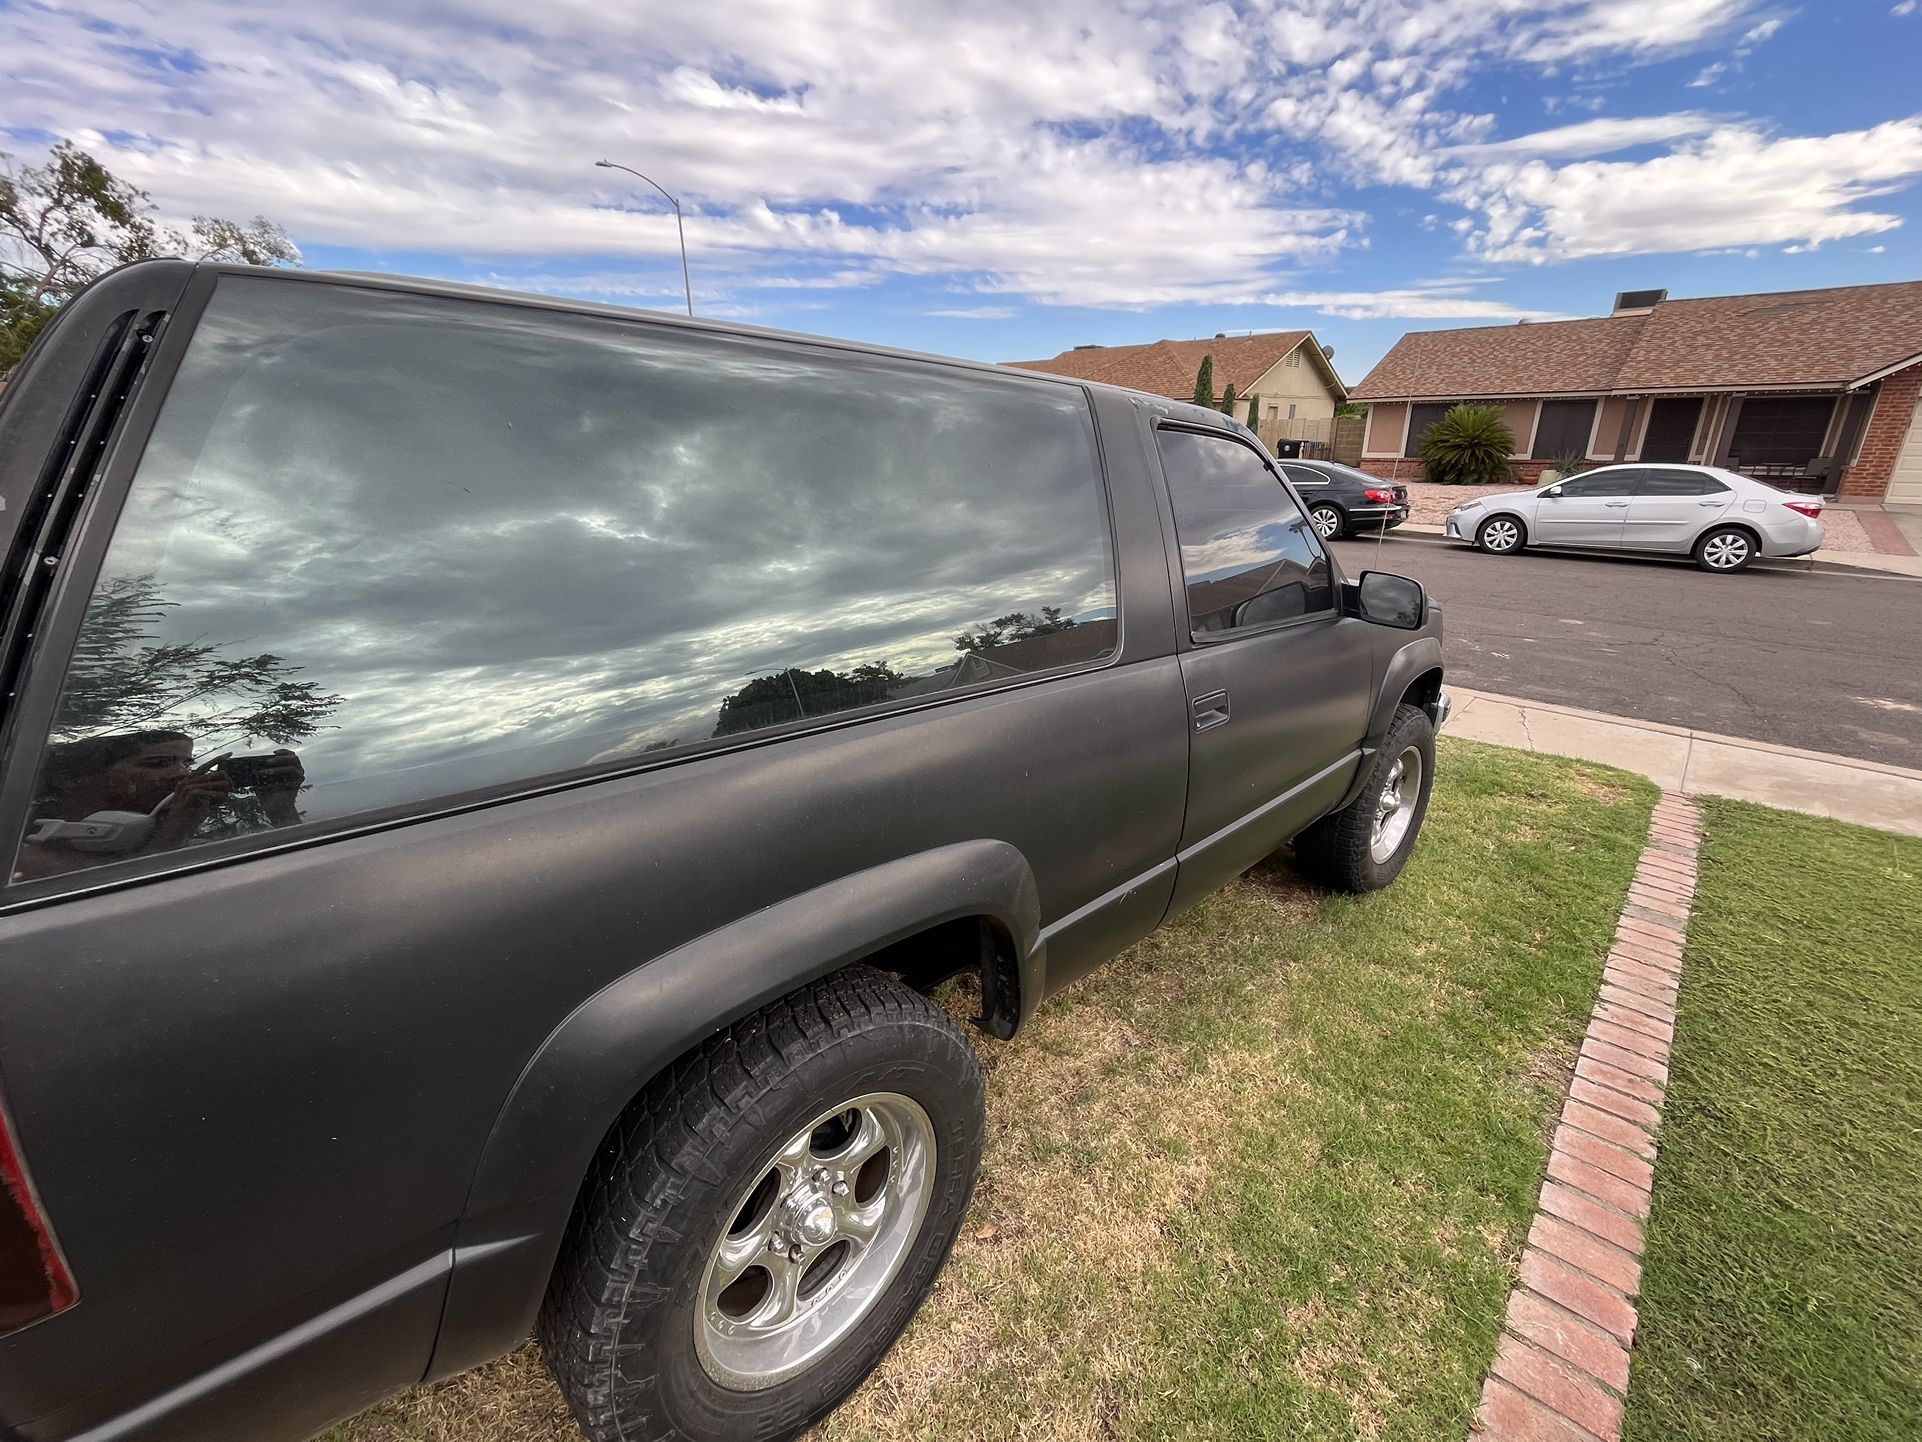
point(1552, 491)
point(1386, 599)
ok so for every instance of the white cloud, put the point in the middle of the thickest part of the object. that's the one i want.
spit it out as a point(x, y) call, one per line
point(1074, 153)
point(1735, 187)
point(1435, 300)
point(1907, 7)
point(1708, 75)
point(1592, 137)
point(977, 312)
point(1757, 34)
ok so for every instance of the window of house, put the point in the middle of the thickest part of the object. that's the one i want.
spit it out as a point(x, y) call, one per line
point(1421, 420)
point(1563, 429)
point(1248, 553)
point(1291, 412)
point(431, 546)
point(1780, 430)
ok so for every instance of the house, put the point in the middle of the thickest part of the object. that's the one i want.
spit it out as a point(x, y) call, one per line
point(1815, 390)
point(1289, 370)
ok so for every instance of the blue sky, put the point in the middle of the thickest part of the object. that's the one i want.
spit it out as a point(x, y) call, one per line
point(1008, 178)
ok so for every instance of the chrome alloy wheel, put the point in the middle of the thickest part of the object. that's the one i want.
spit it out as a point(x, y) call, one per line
point(1327, 521)
point(1500, 534)
point(1726, 551)
point(1395, 810)
point(813, 1243)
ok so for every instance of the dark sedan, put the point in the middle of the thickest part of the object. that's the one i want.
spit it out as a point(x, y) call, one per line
point(1342, 500)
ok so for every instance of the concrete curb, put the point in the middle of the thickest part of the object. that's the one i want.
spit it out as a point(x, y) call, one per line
point(1561, 1373)
point(1844, 563)
point(1679, 759)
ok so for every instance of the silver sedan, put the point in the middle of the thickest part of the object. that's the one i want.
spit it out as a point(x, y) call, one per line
point(1722, 519)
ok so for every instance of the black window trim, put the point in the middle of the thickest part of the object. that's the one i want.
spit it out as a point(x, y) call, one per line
point(1649, 468)
point(1187, 636)
point(61, 617)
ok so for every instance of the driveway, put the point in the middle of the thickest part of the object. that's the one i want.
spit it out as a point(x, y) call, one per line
point(1821, 660)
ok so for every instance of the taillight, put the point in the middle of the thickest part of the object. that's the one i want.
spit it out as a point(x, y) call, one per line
point(34, 1280)
point(1379, 497)
point(1811, 509)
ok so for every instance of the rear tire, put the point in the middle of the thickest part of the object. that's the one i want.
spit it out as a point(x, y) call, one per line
point(739, 1259)
point(1364, 846)
point(1501, 536)
point(1725, 550)
point(1328, 522)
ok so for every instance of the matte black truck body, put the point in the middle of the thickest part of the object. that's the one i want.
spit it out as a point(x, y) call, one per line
point(306, 1111)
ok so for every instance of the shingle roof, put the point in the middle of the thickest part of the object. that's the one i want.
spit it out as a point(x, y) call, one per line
point(1167, 367)
point(1788, 338)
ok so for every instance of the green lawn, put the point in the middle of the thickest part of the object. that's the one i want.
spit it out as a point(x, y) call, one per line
point(1782, 1294)
point(1268, 1174)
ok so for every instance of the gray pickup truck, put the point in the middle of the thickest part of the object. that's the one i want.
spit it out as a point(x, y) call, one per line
point(489, 781)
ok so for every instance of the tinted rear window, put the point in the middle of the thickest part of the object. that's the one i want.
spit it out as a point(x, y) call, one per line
point(432, 545)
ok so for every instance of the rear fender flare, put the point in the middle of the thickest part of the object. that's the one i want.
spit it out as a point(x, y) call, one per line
point(593, 1065)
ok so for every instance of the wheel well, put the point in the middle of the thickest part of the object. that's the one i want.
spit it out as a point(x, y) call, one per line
point(1514, 516)
point(928, 958)
point(1424, 691)
point(1755, 536)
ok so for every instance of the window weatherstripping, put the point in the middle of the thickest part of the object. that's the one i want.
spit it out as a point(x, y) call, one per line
point(407, 548)
point(1249, 555)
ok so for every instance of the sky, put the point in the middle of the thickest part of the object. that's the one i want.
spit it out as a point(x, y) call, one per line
point(1008, 178)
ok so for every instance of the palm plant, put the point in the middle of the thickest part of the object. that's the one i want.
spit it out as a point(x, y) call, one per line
point(1470, 446)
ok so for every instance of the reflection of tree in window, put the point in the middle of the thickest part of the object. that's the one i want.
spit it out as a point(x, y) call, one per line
point(793, 694)
point(1015, 626)
point(121, 680)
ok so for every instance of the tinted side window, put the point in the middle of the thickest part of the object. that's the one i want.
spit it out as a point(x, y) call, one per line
point(1678, 483)
point(428, 546)
point(1248, 553)
point(1305, 475)
point(1611, 483)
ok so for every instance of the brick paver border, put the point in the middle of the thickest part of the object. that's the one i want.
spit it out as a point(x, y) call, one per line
point(1561, 1374)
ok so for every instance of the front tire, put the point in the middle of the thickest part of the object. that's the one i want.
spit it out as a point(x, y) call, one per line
point(767, 1218)
point(1364, 846)
point(1501, 536)
point(1725, 550)
point(1327, 521)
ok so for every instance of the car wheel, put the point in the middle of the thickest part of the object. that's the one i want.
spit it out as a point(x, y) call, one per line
point(1501, 535)
point(1724, 550)
point(767, 1217)
point(1364, 846)
point(1327, 522)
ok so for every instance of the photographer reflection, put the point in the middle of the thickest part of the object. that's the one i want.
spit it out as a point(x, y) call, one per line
point(107, 798)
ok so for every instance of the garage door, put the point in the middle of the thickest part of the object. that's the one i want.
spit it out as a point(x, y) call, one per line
point(1905, 486)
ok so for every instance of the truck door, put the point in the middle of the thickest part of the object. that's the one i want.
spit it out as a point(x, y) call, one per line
point(1278, 682)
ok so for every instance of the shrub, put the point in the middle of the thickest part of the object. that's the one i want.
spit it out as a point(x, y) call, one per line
point(1469, 446)
point(1228, 400)
point(1205, 383)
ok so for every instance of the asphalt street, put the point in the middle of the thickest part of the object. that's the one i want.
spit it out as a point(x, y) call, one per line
point(1822, 660)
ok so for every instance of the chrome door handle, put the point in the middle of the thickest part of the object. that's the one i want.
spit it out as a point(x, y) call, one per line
point(1615, 505)
point(1711, 503)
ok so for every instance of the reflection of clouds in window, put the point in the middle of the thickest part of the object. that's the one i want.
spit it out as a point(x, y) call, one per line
point(515, 539)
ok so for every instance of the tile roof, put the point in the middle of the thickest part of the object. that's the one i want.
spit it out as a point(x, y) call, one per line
point(1167, 367)
point(1788, 338)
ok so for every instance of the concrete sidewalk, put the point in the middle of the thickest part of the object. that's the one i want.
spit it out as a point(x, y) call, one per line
point(1698, 762)
point(1825, 559)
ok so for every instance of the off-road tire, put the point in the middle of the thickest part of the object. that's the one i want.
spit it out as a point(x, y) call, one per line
point(618, 1327)
point(1335, 851)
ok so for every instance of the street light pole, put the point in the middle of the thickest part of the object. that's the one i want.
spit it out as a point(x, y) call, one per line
point(687, 284)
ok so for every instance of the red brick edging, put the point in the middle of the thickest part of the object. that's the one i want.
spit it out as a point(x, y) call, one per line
point(1561, 1374)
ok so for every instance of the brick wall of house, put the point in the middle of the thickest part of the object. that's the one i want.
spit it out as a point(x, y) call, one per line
point(1888, 428)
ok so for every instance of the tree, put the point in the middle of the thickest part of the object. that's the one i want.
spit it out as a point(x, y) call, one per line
point(1015, 626)
point(1205, 383)
point(1254, 412)
point(1228, 400)
point(793, 693)
point(123, 679)
point(69, 220)
point(1469, 446)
